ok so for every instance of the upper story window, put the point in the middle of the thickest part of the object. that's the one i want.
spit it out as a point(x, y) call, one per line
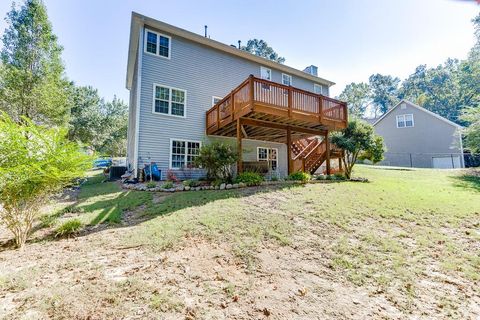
point(286, 79)
point(157, 44)
point(317, 88)
point(170, 101)
point(266, 73)
point(405, 121)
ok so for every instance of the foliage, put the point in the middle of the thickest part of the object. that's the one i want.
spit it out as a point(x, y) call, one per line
point(98, 124)
point(68, 228)
point(260, 48)
point(358, 139)
point(151, 184)
point(249, 178)
point(300, 176)
point(32, 81)
point(339, 176)
point(171, 176)
point(217, 159)
point(34, 163)
point(357, 96)
point(167, 185)
point(191, 183)
point(472, 139)
point(384, 92)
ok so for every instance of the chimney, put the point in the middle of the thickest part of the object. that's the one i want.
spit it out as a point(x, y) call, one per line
point(239, 44)
point(206, 27)
point(313, 70)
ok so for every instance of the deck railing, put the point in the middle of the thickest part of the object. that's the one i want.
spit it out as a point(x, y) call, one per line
point(255, 91)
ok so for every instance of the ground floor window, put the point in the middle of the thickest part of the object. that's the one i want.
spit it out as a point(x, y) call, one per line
point(183, 153)
point(270, 155)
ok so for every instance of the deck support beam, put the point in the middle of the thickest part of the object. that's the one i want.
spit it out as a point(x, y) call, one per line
point(327, 144)
point(239, 147)
point(289, 150)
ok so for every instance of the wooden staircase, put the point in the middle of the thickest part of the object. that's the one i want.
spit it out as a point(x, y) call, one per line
point(310, 153)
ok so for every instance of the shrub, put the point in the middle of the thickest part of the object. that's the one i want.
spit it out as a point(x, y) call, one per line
point(171, 176)
point(191, 183)
point(320, 177)
point(217, 159)
point(167, 185)
point(300, 176)
point(151, 185)
point(329, 177)
point(35, 162)
point(339, 176)
point(217, 182)
point(249, 178)
point(68, 228)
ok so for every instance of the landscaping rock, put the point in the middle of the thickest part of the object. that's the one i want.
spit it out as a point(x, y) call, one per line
point(242, 185)
point(187, 188)
point(198, 188)
point(222, 186)
point(235, 186)
point(180, 188)
point(217, 187)
point(228, 186)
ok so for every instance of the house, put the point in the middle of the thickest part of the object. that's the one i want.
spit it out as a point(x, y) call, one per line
point(187, 90)
point(416, 137)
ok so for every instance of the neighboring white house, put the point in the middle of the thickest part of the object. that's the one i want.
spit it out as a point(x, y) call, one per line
point(416, 137)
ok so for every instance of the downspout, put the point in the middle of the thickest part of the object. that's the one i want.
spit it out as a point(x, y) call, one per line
point(139, 92)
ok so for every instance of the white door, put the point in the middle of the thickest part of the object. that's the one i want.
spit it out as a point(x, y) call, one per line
point(446, 162)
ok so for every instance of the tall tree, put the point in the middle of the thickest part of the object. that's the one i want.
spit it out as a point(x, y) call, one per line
point(472, 132)
point(262, 49)
point(384, 92)
point(85, 120)
point(32, 74)
point(357, 96)
point(115, 125)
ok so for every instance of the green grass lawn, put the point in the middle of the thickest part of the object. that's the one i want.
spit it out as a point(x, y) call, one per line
point(390, 233)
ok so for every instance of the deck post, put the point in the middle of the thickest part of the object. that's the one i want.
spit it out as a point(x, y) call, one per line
point(289, 150)
point(290, 99)
point(327, 145)
point(239, 147)
point(252, 91)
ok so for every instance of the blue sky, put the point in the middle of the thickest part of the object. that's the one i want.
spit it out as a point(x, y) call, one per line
point(348, 40)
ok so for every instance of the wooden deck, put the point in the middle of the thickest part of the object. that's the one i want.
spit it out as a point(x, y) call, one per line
point(267, 109)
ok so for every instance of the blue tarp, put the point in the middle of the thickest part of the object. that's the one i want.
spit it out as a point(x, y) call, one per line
point(155, 172)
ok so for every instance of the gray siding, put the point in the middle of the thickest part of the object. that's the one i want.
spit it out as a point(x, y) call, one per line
point(203, 72)
point(132, 109)
point(417, 146)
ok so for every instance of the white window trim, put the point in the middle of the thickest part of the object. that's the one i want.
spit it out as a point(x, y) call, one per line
point(213, 99)
point(158, 44)
point(315, 85)
point(186, 151)
point(169, 114)
point(405, 120)
point(261, 73)
point(268, 160)
point(289, 76)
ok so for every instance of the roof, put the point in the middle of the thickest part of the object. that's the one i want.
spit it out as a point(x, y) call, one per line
point(419, 108)
point(138, 20)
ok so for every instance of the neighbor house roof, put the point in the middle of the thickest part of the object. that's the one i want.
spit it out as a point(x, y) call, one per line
point(139, 20)
point(419, 108)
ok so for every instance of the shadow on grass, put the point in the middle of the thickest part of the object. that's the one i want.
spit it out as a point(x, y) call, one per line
point(467, 181)
point(108, 204)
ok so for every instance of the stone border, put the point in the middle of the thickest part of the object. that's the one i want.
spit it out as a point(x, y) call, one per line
point(227, 186)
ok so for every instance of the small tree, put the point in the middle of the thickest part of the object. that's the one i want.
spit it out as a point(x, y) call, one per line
point(358, 141)
point(34, 163)
point(217, 159)
point(472, 140)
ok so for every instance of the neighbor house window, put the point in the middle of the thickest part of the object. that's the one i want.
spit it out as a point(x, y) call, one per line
point(183, 153)
point(169, 100)
point(317, 88)
point(405, 121)
point(286, 79)
point(270, 155)
point(215, 100)
point(157, 44)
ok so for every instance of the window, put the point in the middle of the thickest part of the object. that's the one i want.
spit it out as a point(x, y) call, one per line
point(215, 100)
point(286, 79)
point(183, 153)
point(266, 73)
point(317, 88)
point(405, 121)
point(169, 101)
point(157, 44)
point(270, 155)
